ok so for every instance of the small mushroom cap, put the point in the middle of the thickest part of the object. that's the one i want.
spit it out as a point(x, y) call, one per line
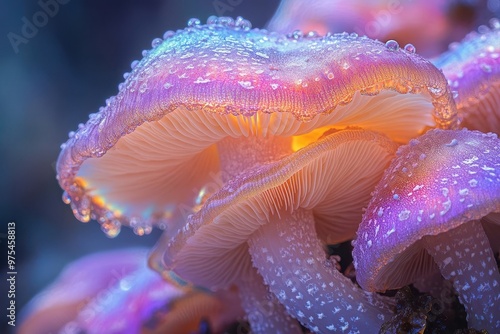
point(405, 21)
point(76, 286)
point(332, 177)
point(143, 159)
point(439, 181)
point(472, 68)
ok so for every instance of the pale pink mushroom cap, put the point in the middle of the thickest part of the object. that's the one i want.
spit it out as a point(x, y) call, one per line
point(332, 177)
point(405, 21)
point(143, 159)
point(472, 68)
point(76, 286)
point(326, 184)
point(427, 210)
point(438, 182)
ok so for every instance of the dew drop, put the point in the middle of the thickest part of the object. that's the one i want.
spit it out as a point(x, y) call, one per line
point(404, 215)
point(81, 210)
point(167, 85)
point(473, 183)
point(380, 212)
point(66, 198)
point(495, 23)
point(297, 34)
point(134, 64)
point(111, 228)
point(143, 88)
point(156, 42)
point(193, 22)
point(410, 48)
point(312, 34)
point(242, 23)
point(226, 21)
point(392, 45)
point(201, 80)
point(436, 91)
point(452, 143)
point(212, 20)
point(246, 84)
point(482, 29)
point(168, 34)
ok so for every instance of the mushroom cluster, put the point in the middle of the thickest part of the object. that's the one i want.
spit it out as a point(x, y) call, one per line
point(254, 150)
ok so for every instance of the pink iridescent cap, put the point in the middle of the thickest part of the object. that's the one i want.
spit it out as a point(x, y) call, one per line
point(431, 207)
point(144, 158)
point(472, 68)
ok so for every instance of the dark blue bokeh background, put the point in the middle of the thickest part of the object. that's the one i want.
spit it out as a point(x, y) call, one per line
point(56, 78)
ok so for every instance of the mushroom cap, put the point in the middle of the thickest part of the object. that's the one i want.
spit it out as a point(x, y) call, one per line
point(472, 68)
point(145, 156)
point(382, 19)
point(439, 181)
point(333, 177)
point(77, 285)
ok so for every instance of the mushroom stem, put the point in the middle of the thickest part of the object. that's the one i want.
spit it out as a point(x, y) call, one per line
point(288, 254)
point(265, 314)
point(464, 257)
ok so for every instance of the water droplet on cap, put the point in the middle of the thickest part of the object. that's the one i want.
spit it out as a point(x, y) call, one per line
point(312, 34)
point(193, 22)
point(226, 21)
point(297, 34)
point(134, 64)
point(410, 48)
point(392, 45)
point(482, 29)
point(168, 34)
point(495, 23)
point(111, 228)
point(156, 42)
point(66, 198)
point(212, 20)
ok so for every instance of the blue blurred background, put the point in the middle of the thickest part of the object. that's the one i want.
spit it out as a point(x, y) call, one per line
point(48, 85)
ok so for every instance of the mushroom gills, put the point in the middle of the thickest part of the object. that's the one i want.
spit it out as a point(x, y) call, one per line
point(289, 256)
